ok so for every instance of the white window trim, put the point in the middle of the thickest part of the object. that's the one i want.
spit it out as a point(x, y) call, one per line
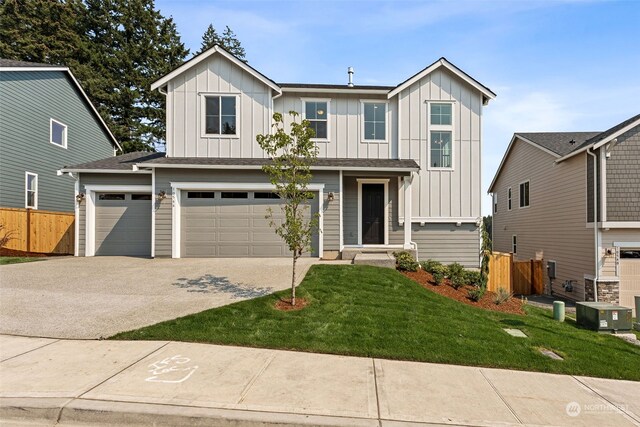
point(178, 187)
point(386, 121)
point(90, 213)
point(203, 115)
point(64, 133)
point(441, 128)
point(304, 116)
point(386, 209)
point(26, 190)
point(510, 198)
point(520, 191)
point(514, 246)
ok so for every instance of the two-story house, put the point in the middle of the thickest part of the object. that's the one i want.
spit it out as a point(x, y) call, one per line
point(398, 168)
point(544, 204)
point(46, 120)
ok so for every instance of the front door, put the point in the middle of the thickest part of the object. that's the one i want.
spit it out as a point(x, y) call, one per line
point(373, 214)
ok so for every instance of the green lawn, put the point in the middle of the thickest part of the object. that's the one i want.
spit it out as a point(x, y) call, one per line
point(369, 311)
point(4, 260)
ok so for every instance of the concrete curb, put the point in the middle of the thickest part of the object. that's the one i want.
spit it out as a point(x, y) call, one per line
point(107, 413)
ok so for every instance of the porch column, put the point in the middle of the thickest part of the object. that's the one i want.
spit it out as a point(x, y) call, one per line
point(406, 187)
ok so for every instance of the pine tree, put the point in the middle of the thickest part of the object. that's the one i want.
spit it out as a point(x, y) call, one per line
point(228, 41)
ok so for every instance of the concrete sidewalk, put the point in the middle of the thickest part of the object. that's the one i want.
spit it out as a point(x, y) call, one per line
point(44, 381)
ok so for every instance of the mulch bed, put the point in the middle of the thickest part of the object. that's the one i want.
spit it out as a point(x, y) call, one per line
point(16, 253)
point(512, 306)
point(284, 304)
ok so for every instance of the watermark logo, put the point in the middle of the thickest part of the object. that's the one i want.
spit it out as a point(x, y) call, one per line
point(573, 409)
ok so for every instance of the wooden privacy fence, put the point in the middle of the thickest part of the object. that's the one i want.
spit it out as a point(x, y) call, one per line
point(518, 277)
point(39, 231)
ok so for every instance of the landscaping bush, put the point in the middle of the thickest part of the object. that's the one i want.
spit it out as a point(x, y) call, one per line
point(438, 277)
point(430, 265)
point(457, 281)
point(405, 261)
point(473, 277)
point(502, 296)
point(457, 275)
point(476, 293)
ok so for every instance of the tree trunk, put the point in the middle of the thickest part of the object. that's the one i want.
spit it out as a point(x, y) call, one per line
point(293, 281)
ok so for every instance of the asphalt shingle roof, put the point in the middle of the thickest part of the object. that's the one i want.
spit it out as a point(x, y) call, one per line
point(558, 142)
point(123, 162)
point(597, 138)
point(13, 63)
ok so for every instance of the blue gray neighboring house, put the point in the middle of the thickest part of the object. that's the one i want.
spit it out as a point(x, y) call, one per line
point(46, 120)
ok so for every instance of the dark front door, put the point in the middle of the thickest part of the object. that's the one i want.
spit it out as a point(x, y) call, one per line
point(373, 214)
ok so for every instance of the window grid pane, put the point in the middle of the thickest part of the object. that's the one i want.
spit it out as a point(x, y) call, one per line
point(57, 133)
point(441, 149)
point(440, 114)
point(316, 114)
point(375, 121)
point(220, 115)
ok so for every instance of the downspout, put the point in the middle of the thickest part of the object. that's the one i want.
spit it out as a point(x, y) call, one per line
point(595, 222)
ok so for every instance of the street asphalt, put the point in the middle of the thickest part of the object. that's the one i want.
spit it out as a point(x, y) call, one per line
point(67, 382)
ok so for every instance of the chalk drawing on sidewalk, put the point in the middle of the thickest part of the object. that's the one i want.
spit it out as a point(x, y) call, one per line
point(175, 369)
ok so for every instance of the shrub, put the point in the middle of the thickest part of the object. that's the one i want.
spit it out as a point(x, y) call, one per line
point(457, 281)
point(473, 277)
point(430, 265)
point(438, 277)
point(502, 296)
point(456, 275)
point(476, 293)
point(405, 261)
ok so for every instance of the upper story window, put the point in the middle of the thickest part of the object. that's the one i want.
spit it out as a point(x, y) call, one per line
point(509, 198)
point(495, 203)
point(524, 194)
point(31, 190)
point(220, 115)
point(374, 121)
point(316, 111)
point(58, 133)
point(514, 244)
point(441, 135)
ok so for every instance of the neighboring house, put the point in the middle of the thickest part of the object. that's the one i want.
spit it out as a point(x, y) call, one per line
point(45, 120)
point(543, 207)
point(398, 168)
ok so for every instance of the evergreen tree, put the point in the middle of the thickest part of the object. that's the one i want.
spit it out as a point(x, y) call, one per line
point(228, 41)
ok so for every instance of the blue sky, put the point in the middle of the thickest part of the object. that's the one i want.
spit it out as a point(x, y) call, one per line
point(555, 65)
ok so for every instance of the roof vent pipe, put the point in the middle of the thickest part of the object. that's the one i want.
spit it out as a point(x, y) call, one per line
point(350, 72)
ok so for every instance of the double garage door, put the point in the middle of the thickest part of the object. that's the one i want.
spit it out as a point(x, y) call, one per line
point(233, 224)
point(123, 224)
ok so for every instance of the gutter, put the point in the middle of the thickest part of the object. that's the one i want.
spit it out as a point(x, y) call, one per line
point(595, 222)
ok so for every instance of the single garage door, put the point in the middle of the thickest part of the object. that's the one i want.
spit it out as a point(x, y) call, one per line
point(629, 277)
point(123, 224)
point(232, 224)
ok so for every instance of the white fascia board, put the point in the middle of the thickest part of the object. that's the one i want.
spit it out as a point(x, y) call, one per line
point(245, 186)
point(34, 69)
point(198, 59)
point(111, 171)
point(328, 90)
point(632, 245)
point(444, 220)
point(506, 154)
point(442, 63)
point(601, 143)
point(258, 167)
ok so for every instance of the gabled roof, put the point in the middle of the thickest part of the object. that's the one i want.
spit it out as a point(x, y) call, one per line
point(13, 65)
point(216, 49)
point(602, 138)
point(443, 62)
point(560, 143)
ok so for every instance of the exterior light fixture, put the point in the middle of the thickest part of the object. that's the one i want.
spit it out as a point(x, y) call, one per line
point(331, 197)
point(79, 197)
point(161, 195)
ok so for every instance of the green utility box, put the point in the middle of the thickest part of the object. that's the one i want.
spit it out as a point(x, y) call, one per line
point(603, 317)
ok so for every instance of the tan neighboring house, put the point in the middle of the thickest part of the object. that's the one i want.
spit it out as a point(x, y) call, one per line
point(543, 207)
point(398, 168)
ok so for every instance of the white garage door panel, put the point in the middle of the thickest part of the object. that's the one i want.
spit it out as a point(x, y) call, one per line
point(123, 227)
point(629, 281)
point(217, 227)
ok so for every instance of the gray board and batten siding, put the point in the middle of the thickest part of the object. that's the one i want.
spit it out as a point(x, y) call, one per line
point(28, 100)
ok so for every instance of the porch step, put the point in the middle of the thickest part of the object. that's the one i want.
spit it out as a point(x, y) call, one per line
point(350, 253)
point(375, 259)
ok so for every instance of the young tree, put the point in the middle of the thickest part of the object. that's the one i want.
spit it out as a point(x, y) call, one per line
point(228, 41)
point(292, 155)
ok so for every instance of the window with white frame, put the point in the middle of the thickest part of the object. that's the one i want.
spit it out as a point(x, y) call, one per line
point(374, 119)
point(31, 190)
point(495, 203)
point(509, 198)
point(58, 133)
point(524, 194)
point(514, 244)
point(316, 112)
point(220, 115)
point(441, 135)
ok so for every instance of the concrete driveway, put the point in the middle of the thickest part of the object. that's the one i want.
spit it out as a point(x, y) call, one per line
point(100, 296)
